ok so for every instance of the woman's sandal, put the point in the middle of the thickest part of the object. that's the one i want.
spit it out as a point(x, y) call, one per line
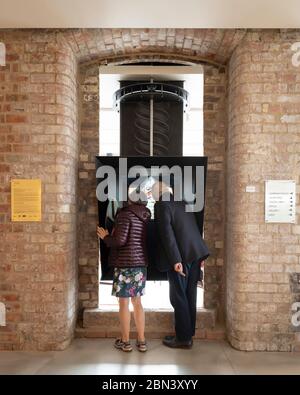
point(141, 346)
point(124, 346)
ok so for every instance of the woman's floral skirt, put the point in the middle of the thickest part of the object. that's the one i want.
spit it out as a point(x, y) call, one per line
point(129, 282)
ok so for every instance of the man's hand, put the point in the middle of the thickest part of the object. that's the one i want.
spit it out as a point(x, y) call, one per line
point(101, 232)
point(178, 267)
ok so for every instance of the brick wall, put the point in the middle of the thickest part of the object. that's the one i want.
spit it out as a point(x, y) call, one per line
point(215, 128)
point(263, 143)
point(88, 251)
point(215, 45)
point(38, 139)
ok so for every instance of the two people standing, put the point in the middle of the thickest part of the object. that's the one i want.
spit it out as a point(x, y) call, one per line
point(181, 250)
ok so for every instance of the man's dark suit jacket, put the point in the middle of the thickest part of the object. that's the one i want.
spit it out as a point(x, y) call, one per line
point(179, 238)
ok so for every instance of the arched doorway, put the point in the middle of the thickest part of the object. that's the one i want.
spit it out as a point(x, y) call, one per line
point(214, 111)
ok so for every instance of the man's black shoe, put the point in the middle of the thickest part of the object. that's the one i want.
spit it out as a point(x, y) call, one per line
point(169, 337)
point(175, 343)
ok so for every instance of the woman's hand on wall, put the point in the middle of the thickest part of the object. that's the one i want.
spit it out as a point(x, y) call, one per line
point(102, 233)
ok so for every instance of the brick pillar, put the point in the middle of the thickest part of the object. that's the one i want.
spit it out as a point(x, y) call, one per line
point(38, 139)
point(88, 209)
point(215, 116)
point(263, 143)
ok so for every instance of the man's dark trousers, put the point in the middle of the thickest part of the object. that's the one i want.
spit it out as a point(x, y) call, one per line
point(183, 297)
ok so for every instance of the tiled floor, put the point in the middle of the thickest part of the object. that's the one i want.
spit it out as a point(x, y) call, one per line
point(97, 356)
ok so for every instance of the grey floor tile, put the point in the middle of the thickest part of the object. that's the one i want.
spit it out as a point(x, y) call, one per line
point(273, 363)
point(97, 356)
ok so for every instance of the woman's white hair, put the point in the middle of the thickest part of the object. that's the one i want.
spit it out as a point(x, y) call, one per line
point(159, 188)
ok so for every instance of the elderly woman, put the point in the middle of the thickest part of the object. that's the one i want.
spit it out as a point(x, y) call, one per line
point(128, 256)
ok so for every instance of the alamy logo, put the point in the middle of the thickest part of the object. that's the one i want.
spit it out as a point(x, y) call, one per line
point(187, 183)
point(296, 316)
point(296, 57)
point(2, 54)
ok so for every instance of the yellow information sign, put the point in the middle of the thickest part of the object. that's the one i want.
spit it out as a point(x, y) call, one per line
point(26, 200)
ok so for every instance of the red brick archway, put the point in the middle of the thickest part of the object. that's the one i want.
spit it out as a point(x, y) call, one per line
point(215, 45)
point(214, 137)
point(40, 129)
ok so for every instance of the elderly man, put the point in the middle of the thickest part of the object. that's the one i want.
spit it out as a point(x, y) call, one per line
point(181, 250)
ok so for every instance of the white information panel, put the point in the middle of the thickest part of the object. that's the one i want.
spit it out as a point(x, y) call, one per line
point(280, 201)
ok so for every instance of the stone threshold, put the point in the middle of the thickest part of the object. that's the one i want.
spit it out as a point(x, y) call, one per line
point(104, 323)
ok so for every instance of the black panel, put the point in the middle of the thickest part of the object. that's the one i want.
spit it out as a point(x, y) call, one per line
point(147, 162)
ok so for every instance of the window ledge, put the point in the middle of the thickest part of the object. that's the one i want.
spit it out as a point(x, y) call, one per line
point(106, 318)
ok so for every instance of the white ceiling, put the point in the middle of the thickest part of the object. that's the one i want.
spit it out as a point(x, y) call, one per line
point(150, 13)
point(159, 73)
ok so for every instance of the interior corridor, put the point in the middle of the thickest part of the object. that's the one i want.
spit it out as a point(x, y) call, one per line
point(98, 357)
